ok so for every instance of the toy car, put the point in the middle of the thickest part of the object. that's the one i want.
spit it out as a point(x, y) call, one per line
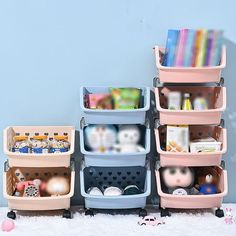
point(151, 220)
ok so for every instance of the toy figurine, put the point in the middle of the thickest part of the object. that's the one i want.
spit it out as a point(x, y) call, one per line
point(208, 179)
point(179, 180)
point(40, 144)
point(229, 216)
point(59, 144)
point(57, 186)
point(128, 138)
point(100, 138)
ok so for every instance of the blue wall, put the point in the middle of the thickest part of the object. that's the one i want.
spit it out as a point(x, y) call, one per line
point(48, 49)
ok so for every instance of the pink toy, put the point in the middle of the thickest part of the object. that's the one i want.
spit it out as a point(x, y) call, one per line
point(98, 101)
point(229, 216)
point(151, 220)
point(8, 225)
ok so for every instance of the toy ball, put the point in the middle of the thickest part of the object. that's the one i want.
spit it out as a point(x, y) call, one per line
point(8, 225)
point(57, 186)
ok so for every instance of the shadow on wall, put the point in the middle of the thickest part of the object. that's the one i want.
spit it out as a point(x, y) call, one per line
point(229, 74)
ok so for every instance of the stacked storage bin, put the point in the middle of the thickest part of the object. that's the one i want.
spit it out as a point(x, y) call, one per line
point(27, 166)
point(118, 169)
point(202, 123)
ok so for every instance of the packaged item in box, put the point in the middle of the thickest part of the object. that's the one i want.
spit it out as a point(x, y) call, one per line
point(98, 101)
point(177, 138)
point(208, 144)
point(126, 98)
point(40, 143)
point(174, 100)
point(21, 144)
point(59, 143)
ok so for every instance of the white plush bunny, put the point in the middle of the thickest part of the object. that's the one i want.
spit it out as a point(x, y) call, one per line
point(128, 138)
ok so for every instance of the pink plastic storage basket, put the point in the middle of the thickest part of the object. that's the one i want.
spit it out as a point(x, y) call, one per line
point(188, 74)
point(39, 159)
point(37, 203)
point(193, 201)
point(216, 97)
point(188, 158)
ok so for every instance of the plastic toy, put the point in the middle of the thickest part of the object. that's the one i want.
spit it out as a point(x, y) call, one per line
point(8, 225)
point(59, 144)
point(151, 220)
point(179, 180)
point(229, 219)
point(128, 138)
point(31, 188)
point(21, 144)
point(208, 179)
point(113, 191)
point(57, 186)
point(100, 138)
point(40, 144)
point(132, 190)
point(95, 191)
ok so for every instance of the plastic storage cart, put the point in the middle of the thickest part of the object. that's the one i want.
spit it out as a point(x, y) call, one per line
point(116, 159)
point(121, 177)
point(36, 203)
point(40, 159)
point(188, 74)
point(188, 158)
point(216, 97)
point(100, 116)
point(193, 201)
point(204, 123)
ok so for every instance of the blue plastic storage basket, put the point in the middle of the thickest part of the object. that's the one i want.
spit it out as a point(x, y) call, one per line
point(100, 116)
point(116, 159)
point(103, 177)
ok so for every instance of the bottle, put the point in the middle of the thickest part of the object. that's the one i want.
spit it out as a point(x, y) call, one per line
point(186, 102)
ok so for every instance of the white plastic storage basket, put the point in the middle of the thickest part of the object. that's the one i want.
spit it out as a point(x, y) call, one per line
point(216, 97)
point(113, 158)
point(119, 116)
point(103, 177)
point(40, 159)
point(189, 158)
point(36, 203)
point(193, 201)
point(204, 74)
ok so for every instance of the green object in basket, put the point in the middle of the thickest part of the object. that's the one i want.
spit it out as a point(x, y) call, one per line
point(126, 98)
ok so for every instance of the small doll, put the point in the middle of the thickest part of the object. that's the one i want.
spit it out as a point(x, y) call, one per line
point(208, 180)
point(179, 180)
point(100, 138)
point(59, 143)
point(128, 138)
point(229, 219)
point(40, 144)
point(21, 144)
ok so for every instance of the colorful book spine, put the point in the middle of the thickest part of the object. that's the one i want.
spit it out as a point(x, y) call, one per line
point(189, 48)
point(172, 39)
point(201, 49)
point(209, 47)
point(179, 61)
point(216, 49)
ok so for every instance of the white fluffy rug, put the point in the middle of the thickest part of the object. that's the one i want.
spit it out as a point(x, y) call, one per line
point(187, 223)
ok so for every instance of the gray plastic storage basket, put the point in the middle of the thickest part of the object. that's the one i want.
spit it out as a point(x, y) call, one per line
point(121, 177)
point(99, 116)
point(116, 159)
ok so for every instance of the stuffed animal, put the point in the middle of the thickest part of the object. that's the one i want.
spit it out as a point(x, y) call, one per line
point(179, 180)
point(95, 191)
point(100, 138)
point(57, 186)
point(208, 180)
point(113, 191)
point(128, 138)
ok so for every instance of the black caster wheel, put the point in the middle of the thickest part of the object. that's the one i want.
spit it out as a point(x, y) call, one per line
point(142, 213)
point(219, 213)
point(11, 215)
point(89, 212)
point(164, 212)
point(67, 214)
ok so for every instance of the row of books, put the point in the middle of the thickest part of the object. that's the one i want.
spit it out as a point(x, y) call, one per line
point(193, 48)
